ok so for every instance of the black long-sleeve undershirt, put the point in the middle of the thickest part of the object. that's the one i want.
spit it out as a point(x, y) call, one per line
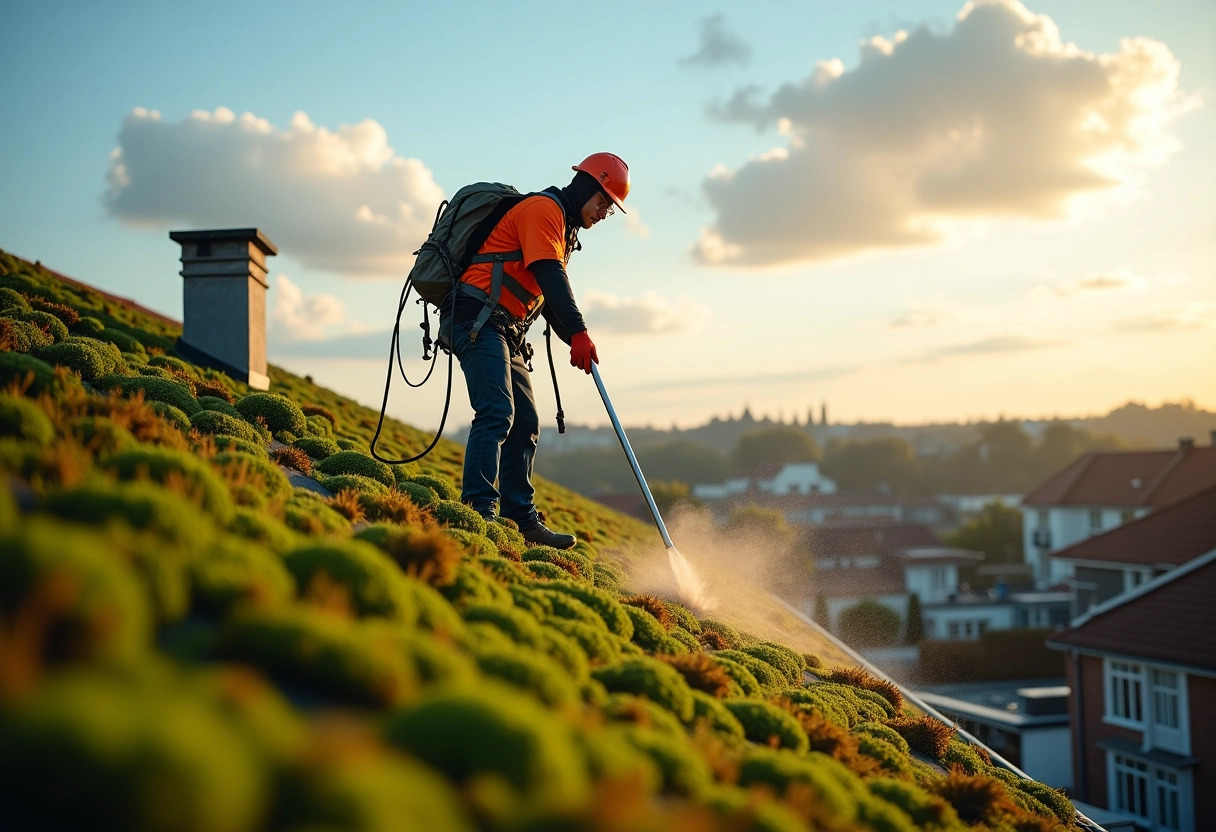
point(560, 310)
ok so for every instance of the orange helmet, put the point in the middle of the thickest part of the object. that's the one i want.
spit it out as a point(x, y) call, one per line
point(611, 172)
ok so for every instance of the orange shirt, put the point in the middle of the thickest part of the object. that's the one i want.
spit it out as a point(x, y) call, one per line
point(537, 227)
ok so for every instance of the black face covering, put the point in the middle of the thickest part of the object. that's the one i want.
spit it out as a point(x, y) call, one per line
point(575, 195)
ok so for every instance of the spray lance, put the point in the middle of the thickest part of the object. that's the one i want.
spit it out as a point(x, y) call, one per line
point(689, 585)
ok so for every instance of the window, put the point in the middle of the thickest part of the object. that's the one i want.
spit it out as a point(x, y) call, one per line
point(1124, 702)
point(1167, 797)
point(1131, 786)
point(953, 628)
point(1165, 698)
point(1095, 522)
point(938, 577)
point(1148, 792)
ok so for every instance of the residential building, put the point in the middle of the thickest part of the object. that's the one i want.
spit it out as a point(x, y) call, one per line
point(1025, 722)
point(1142, 667)
point(779, 479)
point(1122, 559)
point(888, 562)
point(1100, 491)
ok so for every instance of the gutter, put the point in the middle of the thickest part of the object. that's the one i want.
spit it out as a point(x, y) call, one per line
point(1081, 820)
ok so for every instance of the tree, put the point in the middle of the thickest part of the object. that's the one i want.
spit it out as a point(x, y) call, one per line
point(996, 531)
point(753, 520)
point(684, 461)
point(669, 494)
point(869, 623)
point(914, 627)
point(773, 446)
point(871, 464)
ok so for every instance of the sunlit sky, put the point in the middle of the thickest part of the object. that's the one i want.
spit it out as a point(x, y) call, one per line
point(912, 211)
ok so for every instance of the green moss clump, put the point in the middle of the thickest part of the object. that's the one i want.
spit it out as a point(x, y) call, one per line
point(522, 627)
point(963, 756)
point(597, 644)
point(213, 421)
point(532, 671)
point(649, 634)
point(316, 447)
point(278, 411)
point(122, 339)
point(833, 786)
point(605, 605)
point(46, 322)
point(141, 505)
point(884, 733)
point(319, 426)
point(653, 679)
point(717, 716)
point(169, 391)
point(1055, 801)
point(788, 662)
point(740, 676)
point(324, 653)
point(728, 633)
point(258, 527)
point(769, 677)
point(419, 495)
point(97, 752)
point(105, 616)
point(355, 462)
point(372, 581)
point(442, 486)
point(235, 571)
point(110, 356)
point(223, 442)
point(683, 770)
point(927, 811)
point(218, 405)
point(162, 464)
point(99, 434)
point(364, 485)
point(90, 326)
point(495, 730)
point(471, 585)
point(174, 416)
point(12, 301)
point(22, 419)
point(527, 598)
point(686, 639)
point(80, 359)
point(433, 659)
point(545, 571)
point(254, 472)
point(458, 516)
point(765, 724)
point(21, 336)
point(18, 367)
point(305, 513)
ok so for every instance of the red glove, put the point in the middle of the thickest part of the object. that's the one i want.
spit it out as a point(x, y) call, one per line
point(582, 352)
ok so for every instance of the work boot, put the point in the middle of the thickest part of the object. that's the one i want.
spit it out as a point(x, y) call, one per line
point(541, 535)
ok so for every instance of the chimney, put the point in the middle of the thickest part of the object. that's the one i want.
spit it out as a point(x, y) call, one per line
point(224, 301)
point(1186, 443)
point(1212, 439)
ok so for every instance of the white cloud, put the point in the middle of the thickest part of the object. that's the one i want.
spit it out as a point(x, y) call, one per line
point(1172, 317)
point(340, 200)
point(1117, 280)
point(935, 311)
point(997, 344)
point(996, 118)
point(297, 316)
point(719, 45)
point(651, 314)
point(634, 224)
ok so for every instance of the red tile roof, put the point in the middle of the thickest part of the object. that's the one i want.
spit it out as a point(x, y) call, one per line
point(1171, 619)
point(1129, 478)
point(866, 540)
point(1173, 534)
point(858, 583)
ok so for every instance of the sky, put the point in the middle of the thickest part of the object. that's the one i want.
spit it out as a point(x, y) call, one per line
point(910, 210)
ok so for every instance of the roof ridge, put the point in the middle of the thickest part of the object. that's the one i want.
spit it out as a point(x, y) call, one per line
point(1145, 588)
point(1072, 474)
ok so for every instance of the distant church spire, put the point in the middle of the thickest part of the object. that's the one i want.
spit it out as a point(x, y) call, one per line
point(823, 413)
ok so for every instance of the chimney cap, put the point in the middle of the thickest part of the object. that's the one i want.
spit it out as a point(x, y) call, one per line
point(254, 234)
point(1186, 443)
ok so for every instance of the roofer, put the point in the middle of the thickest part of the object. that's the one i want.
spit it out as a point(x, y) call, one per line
point(489, 341)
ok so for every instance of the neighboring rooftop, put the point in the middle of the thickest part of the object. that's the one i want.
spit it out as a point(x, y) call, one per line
point(1172, 535)
point(1129, 478)
point(1170, 619)
point(867, 539)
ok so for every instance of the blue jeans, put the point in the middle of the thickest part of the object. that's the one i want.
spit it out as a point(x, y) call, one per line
point(502, 439)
